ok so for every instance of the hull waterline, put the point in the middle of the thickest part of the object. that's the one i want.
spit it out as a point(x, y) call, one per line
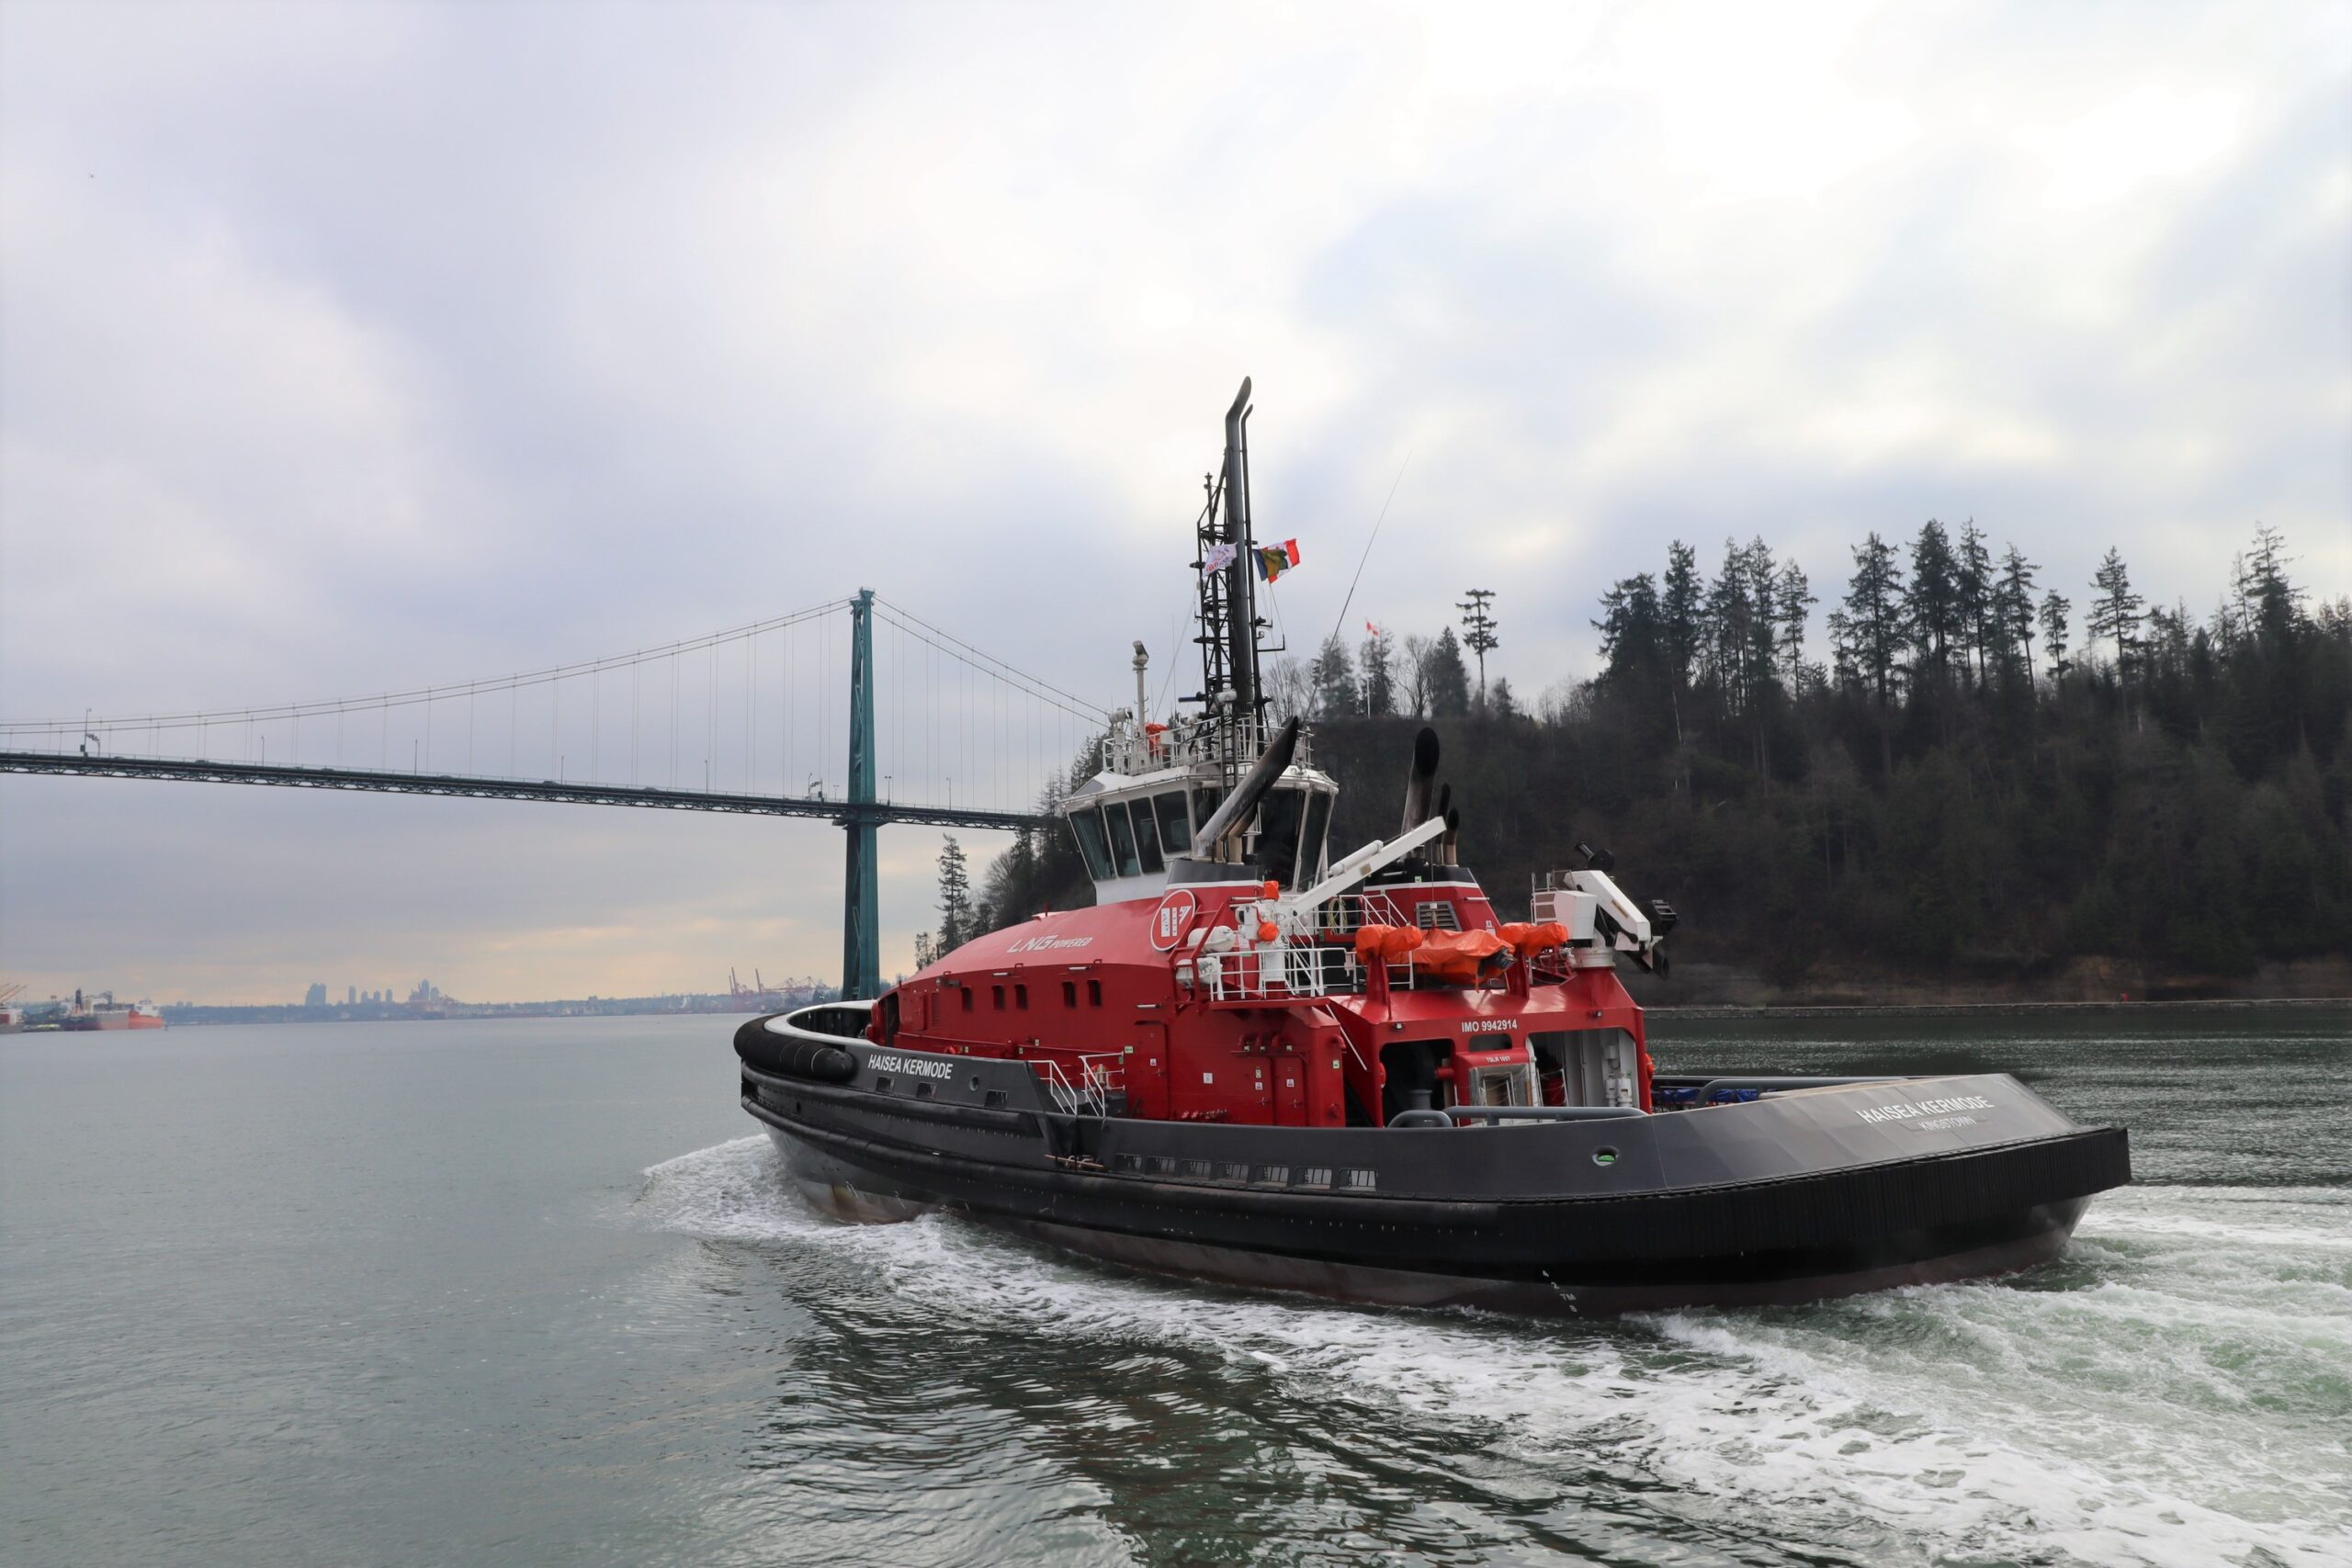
point(2007, 1246)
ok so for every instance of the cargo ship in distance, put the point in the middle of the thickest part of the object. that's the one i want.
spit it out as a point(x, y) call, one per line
point(100, 1010)
point(1261, 1061)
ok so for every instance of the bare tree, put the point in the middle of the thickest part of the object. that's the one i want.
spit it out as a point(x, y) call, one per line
point(1418, 650)
point(1290, 686)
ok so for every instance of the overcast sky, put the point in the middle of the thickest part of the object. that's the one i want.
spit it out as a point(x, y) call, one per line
point(348, 347)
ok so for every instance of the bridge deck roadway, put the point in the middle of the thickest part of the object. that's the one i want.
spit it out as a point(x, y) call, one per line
point(843, 812)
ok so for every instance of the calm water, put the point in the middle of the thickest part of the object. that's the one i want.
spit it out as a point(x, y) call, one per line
point(527, 1292)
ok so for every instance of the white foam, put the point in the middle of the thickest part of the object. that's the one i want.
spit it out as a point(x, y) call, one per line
point(2165, 1401)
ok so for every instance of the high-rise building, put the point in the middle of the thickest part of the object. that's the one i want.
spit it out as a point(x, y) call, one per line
point(316, 997)
point(350, 995)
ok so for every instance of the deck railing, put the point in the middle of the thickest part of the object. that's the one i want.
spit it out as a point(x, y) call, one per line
point(1318, 960)
point(1130, 752)
point(1100, 1076)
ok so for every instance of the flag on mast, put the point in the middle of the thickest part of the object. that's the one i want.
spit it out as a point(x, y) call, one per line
point(1220, 557)
point(1275, 559)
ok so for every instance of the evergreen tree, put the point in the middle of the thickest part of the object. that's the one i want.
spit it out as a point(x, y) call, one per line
point(1844, 658)
point(1973, 584)
point(1874, 615)
point(2056, 607)
point(2115, 614)
point(1932, 603)
point(1792, 600)
point(1376, 669)
point(1759, 655)
point(1336, 695)
point(2270, 602)
point(1729, 626)
point(1448, 678)
point(2013, 610)
point(956, 922)
point(1679, 606)
point(1632, 650)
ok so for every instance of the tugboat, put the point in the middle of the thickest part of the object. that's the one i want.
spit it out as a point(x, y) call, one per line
point(1263, 1062)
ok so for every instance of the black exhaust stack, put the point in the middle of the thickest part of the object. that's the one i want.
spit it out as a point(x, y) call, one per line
point(1424, 775)
point(1241, 605)
point(1234, 814)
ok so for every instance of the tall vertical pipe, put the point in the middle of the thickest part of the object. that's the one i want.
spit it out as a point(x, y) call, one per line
point(1241, 600)
point(861, 893)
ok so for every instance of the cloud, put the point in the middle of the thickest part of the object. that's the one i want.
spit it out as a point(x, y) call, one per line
point(342, 350)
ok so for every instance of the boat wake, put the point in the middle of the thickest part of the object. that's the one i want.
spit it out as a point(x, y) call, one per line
point(2176, 1390)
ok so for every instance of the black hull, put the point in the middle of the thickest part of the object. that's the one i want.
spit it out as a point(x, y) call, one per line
point(1934, 1258)
point(1809, 1237)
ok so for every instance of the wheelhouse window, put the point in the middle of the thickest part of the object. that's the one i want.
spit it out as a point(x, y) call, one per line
point(1086, 826)
point(1278, 824)
point(1175, 833)
point(1122, 840)
point(1147, 835)
point(1206, 798)
point(1310, 849)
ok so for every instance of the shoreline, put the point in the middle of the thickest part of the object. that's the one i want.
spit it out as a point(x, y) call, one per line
point(1976, 1009)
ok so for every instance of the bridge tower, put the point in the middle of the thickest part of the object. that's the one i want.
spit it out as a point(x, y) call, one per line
point(861, 893)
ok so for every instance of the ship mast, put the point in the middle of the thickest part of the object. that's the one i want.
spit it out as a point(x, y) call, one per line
point(1231, 696)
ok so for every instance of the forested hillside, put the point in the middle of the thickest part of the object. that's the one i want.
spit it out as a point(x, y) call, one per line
point(1974, 785)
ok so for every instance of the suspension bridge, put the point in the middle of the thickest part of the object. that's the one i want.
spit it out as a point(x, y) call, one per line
point(962, 740)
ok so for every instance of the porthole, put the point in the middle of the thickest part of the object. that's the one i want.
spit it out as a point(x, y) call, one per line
point(1604, 1157)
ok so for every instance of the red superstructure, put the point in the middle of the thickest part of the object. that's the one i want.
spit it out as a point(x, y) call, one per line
point(1291, 1029)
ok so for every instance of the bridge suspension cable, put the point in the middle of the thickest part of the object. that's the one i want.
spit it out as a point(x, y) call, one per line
point(417, 694)
point(960, 727)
